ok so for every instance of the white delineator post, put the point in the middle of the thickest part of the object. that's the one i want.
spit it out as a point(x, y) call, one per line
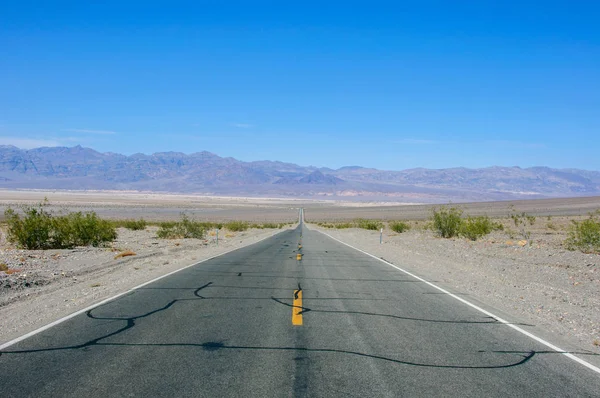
point(381, 236)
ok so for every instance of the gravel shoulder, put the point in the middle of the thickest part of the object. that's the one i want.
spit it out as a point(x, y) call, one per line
point(43, 286)
point(543, 284)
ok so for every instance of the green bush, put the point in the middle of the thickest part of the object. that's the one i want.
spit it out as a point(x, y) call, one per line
point(237, 226)
point(183, 229)
point(399, 226)
point(584, 236)
point(372, 225)
point(38, 229)
point(343, 225)
point(447, 222)
point(270, 225)
point(475, 227)
point(33, 231)
point(88, 229)
point(134, 225)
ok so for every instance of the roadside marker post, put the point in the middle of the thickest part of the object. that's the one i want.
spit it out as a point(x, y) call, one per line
point(217, 236)
point(381, 236)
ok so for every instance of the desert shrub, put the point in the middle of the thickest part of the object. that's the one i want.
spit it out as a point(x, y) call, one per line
point(38, 229)
point(522, 221)
point(183, 229)
point(135, 225)
point(270, 225)
point(447, 222)
point(474, 228)
point(86, 229)
point(343, 225)
point(372, 225)
point(337, 225)
point(584, 236)
point(266, 225)
point(399, 226)
point(209, 225)
point(32, 231)
point(237, 226)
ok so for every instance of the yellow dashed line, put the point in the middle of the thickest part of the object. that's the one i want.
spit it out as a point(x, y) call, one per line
point(297, 308)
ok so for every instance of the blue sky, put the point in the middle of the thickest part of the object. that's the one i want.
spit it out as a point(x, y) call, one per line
point(391, 85)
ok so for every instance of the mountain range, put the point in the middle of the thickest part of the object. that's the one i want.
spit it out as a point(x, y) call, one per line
point(78, 168)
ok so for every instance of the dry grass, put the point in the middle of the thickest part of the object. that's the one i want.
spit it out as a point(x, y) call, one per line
point(3, 267)
point(12, 271)
point(126, 253)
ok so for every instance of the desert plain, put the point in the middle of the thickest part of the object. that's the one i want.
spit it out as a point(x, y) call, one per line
point(534, 279)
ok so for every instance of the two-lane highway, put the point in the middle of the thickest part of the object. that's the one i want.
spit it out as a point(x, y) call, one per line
point(259, 322)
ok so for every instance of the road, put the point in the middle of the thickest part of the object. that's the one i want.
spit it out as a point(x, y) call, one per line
point(257, 322)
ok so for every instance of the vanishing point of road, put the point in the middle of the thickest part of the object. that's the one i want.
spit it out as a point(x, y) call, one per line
point(296, 315)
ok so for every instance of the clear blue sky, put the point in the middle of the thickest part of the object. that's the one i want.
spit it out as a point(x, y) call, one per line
point(391, 85)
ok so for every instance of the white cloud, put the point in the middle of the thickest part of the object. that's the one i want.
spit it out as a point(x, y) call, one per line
point(89, 131)
point(28, 143)
point(242, 125)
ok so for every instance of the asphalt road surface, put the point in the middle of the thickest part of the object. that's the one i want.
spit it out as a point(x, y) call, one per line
point(257, 322)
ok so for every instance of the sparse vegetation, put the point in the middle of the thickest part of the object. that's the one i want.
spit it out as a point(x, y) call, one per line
point(399, 226)
point(3, 267)
point(474, 228)
point(585, 235)
point(38, 229)
point(183, 229)
point(270, 225)
point(522, 221)
point(237, 226)
point(134, 225)
point(336, 225)
point(372, 225)
point(267, 225)
point(447, 222)
point(552, 226)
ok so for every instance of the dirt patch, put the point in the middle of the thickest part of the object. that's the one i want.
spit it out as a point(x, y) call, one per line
point(542, 282)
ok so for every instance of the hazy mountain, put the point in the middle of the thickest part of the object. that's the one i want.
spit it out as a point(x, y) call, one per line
point(205, 172)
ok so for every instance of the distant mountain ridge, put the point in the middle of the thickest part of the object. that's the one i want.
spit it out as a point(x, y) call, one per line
point(204, 172)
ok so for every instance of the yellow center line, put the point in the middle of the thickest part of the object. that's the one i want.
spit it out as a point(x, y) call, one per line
point(297, 308)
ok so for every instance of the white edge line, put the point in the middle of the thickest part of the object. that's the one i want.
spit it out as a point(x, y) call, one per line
point(74, 314)
point(518, 329)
